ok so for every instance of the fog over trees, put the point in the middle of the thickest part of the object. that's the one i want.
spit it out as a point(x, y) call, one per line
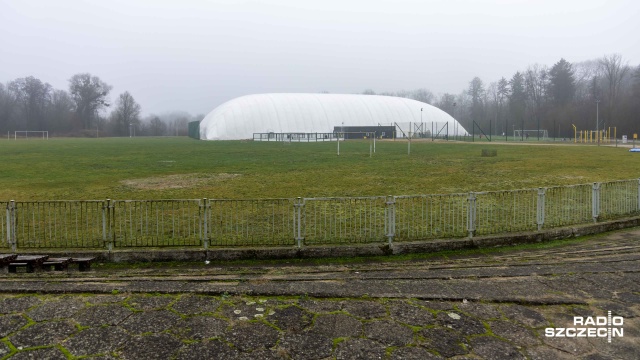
point(84, 110)
point(549, 97)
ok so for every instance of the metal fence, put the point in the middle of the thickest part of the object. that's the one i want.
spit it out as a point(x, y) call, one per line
point(505, 211)
point(618, 198)
point(57, 224)
point(4, 231)
point(96, 224)
point(342, 220)
point(264, 222)
point(430, 216)
point(152, 223)
point(568, 205)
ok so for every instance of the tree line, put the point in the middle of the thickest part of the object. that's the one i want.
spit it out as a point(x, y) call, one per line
point(82, 110)
point(602, 93)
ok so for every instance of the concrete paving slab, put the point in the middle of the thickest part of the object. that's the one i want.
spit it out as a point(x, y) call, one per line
point(388, 333)
point(489, 305)
point(97, 340)
point(43, 334)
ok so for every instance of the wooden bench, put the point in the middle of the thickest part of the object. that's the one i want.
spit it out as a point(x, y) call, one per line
point(29, 262)
point(58, 264)
point(5, 260)
point(84, 264)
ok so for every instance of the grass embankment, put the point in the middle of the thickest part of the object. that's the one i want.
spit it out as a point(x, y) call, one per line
point(154, 168)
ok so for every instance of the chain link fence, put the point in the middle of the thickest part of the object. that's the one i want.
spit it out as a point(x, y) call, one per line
point(99, 224)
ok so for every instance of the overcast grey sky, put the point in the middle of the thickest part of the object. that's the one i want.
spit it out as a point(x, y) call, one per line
point(194, 55)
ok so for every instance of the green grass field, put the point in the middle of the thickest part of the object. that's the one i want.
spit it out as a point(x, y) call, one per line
point(161, 168)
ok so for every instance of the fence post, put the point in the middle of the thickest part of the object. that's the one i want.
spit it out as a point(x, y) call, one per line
point(105, 209)
point(111, 222)
point(205, 223)
point(471, 215)
point(390, 219)
point(8, 215)
point(540, 212)
point(297, 220)
point(638, 203)
point(595, 201)
point(11, 225)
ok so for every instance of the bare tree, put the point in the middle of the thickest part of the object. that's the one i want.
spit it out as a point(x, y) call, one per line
point(90, 96)
point(477, 93)
point(518, 100)
point(157, 127)
point(492, 102)
point(503, 94)
point(7, 109)
point(613, 71)
point(32, 96)
point(126, 114)
point(423, 95)
point(61, 111)
point(536, 84)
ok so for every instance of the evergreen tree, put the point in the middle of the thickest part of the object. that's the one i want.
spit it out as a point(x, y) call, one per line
point(562, 85)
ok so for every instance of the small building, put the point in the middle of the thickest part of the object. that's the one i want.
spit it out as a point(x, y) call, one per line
point(361, 132)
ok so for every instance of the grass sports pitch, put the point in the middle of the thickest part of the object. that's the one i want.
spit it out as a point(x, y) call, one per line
point(182, 168)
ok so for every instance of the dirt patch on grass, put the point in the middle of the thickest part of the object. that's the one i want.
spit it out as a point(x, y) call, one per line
point(177, 181)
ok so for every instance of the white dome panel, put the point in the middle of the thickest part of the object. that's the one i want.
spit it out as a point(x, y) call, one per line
point(241, 117)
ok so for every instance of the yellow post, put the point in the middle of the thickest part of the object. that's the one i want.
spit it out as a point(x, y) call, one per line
point(575, 134)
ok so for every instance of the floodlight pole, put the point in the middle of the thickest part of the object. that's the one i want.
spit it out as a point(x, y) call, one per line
point(342, 129)
point(409, 138)
point(421, 123)
point(454, 117)
point(598, 121)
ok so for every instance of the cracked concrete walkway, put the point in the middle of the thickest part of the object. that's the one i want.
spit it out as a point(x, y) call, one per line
point(491, 306)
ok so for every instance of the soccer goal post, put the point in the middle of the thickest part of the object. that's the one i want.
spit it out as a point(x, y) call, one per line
point(531, 134)
point(25, 134)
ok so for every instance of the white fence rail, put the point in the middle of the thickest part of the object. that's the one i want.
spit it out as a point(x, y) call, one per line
point(308, 221)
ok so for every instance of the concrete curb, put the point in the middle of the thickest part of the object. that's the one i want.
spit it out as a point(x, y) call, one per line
point(309, 252)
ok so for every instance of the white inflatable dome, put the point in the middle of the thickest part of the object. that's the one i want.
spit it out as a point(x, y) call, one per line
point(241, 117)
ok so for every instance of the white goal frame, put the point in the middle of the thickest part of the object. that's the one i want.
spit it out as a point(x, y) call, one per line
point(45, 134)
point(544, 134)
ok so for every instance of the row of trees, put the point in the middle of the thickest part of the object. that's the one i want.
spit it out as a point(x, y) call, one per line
point(550, 98)
point(30, 104)
point(540, 97)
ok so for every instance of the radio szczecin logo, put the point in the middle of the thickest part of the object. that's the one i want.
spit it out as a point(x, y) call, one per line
point(591, 326)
